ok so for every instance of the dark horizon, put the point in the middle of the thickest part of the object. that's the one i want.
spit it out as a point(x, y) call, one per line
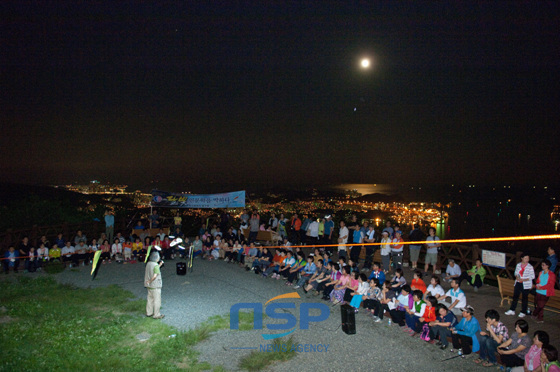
point(195, 94)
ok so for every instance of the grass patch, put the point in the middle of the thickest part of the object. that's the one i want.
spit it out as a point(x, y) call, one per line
point(60, 327)
point(54, 267)
point(259, 360)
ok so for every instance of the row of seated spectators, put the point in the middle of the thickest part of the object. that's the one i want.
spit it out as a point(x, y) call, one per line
point(79, 250)
point(427, 312)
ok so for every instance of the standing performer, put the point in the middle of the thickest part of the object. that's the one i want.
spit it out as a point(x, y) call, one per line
point(153, 283)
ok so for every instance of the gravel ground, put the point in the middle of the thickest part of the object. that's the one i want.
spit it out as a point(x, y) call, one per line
point(215, 286)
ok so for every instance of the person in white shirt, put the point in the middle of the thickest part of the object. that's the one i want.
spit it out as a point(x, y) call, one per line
point(161, 235)
point(80, 252)
point(42, 254)
point(313, 231)
point(67, 253)
point(360, 293)
point(287, 245)
point(273, 222)
point(93, 247)
point(434, 289)
point(456, 298)
point(524, 276)
point(386, 251)
point(453, 271)
point(116, 248)
point(288, 262)
point(342, 239)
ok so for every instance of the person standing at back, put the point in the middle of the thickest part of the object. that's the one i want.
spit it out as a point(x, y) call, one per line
point(295, 229)
point(553, 259)
point(524, 275)
point(416, 235)
point(109, 225)
point(389, 229)
point(432, 246)
point(329, 229)
point(544, 289)
point(342, 239)
point(370, 249)
point(254, 225)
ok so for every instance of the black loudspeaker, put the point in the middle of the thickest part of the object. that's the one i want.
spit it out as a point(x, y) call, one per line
point(348, 317)
point(181, 268)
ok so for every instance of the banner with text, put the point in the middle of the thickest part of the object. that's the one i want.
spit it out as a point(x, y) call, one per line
point(234, 199)
point(494, 259)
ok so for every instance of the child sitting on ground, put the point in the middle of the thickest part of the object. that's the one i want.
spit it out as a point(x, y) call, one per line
point(127, 247)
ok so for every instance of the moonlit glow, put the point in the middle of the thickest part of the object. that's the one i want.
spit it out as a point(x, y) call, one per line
point(365, 63)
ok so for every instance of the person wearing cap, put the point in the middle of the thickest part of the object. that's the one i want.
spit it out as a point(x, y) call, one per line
point(153, 282)
point(385, 251)
point(464, 334)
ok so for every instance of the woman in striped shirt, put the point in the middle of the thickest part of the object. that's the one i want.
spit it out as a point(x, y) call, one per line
point(524, 275)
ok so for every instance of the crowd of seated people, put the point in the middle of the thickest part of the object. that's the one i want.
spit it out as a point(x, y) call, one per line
point(79, 251)
point(422, 309)
point(430, 313)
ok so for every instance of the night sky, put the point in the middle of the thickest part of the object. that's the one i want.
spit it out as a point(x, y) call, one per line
point(190, 93)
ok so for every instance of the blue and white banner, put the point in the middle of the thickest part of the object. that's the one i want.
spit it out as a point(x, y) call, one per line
point(234, 199)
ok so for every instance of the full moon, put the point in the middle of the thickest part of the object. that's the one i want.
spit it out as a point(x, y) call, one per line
point(365, 63)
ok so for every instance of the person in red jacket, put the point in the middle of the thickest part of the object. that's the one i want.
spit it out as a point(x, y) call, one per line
point(544, 289)
point(417, 282)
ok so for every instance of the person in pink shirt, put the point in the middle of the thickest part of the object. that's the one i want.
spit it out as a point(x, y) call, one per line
point(337, 294)
point(533, 356)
